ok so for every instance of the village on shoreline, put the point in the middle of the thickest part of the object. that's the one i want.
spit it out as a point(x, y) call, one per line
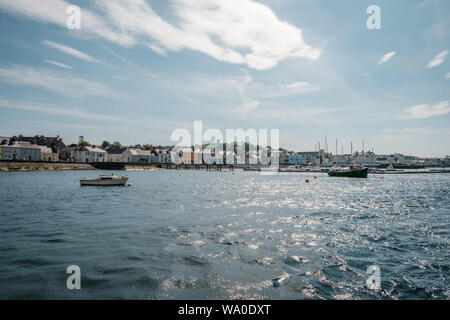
point(51, 153)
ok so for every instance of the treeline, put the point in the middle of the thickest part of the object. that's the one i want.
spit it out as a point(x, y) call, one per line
point(116, 144)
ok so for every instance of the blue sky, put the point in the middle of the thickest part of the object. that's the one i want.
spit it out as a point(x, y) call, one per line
point(137, 70)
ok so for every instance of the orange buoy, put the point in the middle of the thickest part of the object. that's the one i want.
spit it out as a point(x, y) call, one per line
point(306, 180)
point(381, 177)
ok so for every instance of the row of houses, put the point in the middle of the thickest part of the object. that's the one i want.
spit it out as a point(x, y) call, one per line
point(25, 151)
point(114, 154)
point(41, 148)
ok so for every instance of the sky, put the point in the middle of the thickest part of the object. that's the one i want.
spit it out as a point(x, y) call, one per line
point(137, 70)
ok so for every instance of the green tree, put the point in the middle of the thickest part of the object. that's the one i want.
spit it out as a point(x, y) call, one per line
point(105, 144)
point(147, 147)
point(117, 144)
point(83, 144)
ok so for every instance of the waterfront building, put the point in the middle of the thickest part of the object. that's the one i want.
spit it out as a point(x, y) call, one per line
point(294, 158)
point(342, 160)
point(395, 158)
point(88, 154)
point(164, 157)
point(116, 154)
point(311, 157)
point(367, 158)
point(283, 158)
point(138, 155)
point(21, 151)
point(56, 145)
point(48, 155)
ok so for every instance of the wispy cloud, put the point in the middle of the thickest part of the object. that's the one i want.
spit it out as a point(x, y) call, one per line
point(58, 64)
point(437, 60)
point(70, 51)
point(51, 109)
point(423, 111)
point(252, 35)
point(386, 57)
point(447, 75)
point(54, 11)
point(247, 107)
point(58, 82)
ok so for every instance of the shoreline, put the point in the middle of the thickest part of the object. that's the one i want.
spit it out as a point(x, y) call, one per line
point(23, 166)
point(18, 166)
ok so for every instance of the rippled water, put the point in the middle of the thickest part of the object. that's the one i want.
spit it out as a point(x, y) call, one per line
point(219, 235)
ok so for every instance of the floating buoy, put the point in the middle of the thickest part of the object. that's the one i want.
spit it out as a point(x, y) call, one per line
point(315, 177)
point(306, 180)
point(381, 177)
point(129, 184)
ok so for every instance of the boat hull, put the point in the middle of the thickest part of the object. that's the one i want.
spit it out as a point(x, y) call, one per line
point(350, 173)
point(103, 182)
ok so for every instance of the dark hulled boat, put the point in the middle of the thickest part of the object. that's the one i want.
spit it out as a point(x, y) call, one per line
point(352, 173)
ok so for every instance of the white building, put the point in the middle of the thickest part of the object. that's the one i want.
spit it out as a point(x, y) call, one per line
point(395, 158)
point(138, 155)
point(88, 154)
point(116, 154)
point(365, 158)
point(164, 157)
point(21, 151)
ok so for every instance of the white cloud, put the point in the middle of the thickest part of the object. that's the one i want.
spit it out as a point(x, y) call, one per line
point(423, 111)
point(447, 75)
point(437, 60)
point(53, 81)
point(386, 57)
point(51, 109)
point(70, 51)
point(251, 35)
point(58, 64)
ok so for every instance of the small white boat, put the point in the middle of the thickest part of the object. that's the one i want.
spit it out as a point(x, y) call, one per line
point(294, 168)
point(104, 180)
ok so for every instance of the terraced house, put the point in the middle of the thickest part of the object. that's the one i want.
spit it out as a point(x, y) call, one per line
point(88, 154)
point(21, 151)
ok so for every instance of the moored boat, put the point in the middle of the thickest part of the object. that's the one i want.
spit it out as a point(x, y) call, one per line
point(104, 180)
point(351, 173)
point(294, 168)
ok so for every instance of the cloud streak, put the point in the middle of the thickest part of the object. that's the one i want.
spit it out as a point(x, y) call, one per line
point(70, 51)
point(386, 57)
point(437, 60)
point(423, 111)
point(58, 64)
point(54, 11)
point(57, 82)
point(51, 109)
